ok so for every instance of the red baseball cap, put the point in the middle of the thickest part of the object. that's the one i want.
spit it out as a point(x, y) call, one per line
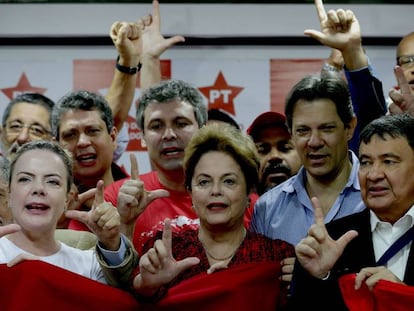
point(265, 120)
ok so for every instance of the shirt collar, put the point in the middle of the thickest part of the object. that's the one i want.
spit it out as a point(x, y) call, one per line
point(375, 220)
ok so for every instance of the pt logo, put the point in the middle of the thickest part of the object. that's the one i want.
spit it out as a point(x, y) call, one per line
point(221, 95)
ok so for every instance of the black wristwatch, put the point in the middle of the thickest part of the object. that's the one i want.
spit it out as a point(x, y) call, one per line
point(128, 70)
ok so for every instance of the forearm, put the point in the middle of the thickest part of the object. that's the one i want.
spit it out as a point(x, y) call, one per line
point(120, 96)
point(150, 72)
point(354, 57)
point(118, 275)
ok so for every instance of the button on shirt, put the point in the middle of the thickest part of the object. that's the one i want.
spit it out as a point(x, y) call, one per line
point(384, 234)
point(285, 212)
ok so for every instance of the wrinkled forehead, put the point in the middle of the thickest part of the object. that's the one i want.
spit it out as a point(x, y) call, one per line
point(29, 113)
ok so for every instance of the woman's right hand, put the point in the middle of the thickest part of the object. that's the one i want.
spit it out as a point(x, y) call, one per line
point(158, 266)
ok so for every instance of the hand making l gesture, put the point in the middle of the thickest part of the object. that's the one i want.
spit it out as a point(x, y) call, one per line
point(158, 266)
point(133, 199)
point(103, 220)
point(318, 252)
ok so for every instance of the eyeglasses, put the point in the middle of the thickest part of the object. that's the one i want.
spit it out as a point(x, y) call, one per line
point(405, 61)
point(35, 130)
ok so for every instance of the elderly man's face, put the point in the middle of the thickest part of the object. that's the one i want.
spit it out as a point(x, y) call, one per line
point(405, 56)
point(25, 123)
point(386, 176)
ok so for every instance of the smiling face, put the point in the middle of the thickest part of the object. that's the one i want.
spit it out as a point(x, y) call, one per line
point(320, 137)
point(386, 176)
point(38, 190)
point(168, 127)
point(219, 190)
point(85, 135)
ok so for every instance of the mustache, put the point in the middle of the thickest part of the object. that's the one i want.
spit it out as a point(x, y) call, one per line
point(277, 168)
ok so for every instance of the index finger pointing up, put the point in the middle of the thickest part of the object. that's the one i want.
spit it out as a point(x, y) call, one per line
point(402, 81)
point(156, 12)
point(318, 214)
point(167, 236)
point(320, 9)
point(134, 167)
point(99, 194)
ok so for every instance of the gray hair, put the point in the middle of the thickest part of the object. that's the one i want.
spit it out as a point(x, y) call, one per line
point(170, 90)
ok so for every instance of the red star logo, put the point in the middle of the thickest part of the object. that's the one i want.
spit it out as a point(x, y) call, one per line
point(221, 95)
point(23, 86)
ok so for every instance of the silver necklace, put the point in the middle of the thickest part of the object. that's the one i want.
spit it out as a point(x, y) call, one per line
point(226, 257)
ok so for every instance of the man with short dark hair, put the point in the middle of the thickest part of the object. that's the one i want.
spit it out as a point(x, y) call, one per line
point(320, 117)
point(278, 157)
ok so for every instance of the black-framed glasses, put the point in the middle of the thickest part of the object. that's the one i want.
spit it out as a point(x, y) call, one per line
point(35, 130)
point(405, 61)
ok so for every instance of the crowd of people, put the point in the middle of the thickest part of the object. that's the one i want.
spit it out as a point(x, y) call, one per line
point(292, 204)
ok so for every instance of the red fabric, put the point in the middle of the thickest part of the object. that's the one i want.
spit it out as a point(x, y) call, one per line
point(385, 296)
point(355, 300)
point(244, 287)
point(36, 285)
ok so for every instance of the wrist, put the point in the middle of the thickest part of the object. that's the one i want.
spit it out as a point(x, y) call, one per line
point(127, 69)
point(330, 67)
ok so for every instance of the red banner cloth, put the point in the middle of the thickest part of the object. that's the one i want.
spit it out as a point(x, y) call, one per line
point(244, 287)
point(385, 296)
point(36, 285)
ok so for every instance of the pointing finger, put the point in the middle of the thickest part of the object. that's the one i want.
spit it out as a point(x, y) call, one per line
point(320, 10)
point(134, 167)
point(318, 214)
point(99, 194)
point(78, 215)
point(7, 229)
point(402, 81)
point(156, 12)
point(167, 236)
point(85, 196)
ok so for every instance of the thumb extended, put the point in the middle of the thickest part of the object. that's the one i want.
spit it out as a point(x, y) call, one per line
point(186, 263)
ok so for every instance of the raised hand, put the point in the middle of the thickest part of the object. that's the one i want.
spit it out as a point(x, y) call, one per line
point(158, 266)
point(133, 199)
point(340, 30)
point(318, 252)
point(153, 42)
point(76, 201)
point(372, 275)
point(403, 99)
point(103, 220)
point(126, 37)
point(338, 27)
